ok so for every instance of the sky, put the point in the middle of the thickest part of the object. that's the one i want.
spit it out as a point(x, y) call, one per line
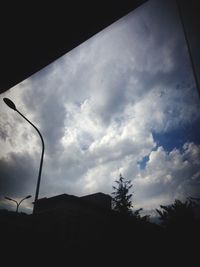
point(123, 102)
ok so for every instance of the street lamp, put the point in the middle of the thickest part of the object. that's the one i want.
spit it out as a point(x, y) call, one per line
point(12, 106)
point(18, 203)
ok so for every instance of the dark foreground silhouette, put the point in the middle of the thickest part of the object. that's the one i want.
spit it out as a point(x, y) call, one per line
point(100, 239)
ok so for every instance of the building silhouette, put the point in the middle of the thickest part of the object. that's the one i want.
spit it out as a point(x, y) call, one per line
point(75, 221)
point(71, 204)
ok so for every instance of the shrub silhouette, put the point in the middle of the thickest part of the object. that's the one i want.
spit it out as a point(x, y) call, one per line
point(177, 214)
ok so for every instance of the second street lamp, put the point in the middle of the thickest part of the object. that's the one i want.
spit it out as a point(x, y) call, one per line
point(12, 106)
point(18, 203)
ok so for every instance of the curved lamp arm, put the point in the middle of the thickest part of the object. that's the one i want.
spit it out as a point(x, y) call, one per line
point(42, 156)
point(12, 106)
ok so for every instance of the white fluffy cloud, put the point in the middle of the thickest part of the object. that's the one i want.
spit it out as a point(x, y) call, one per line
point(174, 174)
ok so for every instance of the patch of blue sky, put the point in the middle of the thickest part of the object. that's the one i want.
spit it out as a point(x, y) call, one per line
point(179, 136)
point(142, 163)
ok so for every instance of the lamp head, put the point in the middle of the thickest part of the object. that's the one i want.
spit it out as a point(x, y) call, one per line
point(29, 196)
point(8, 198)
point(9, 103)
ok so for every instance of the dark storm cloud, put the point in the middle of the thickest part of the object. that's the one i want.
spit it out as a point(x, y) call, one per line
point(18, 175)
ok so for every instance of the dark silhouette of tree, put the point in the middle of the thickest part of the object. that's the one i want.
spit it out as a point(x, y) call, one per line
point(137, 215)
point(122, 198)
point(177, 214)
point(194, 200)
point(180, 228)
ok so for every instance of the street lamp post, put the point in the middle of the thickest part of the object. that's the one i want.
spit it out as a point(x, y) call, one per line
point(12, 106)
point(18, 203)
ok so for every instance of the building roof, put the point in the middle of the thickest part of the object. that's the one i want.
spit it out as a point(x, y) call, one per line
point(95, 201)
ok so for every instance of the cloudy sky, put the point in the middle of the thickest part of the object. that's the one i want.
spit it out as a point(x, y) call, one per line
point(124, 102)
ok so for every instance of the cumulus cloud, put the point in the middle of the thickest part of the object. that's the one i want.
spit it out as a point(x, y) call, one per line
point(175, 172)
